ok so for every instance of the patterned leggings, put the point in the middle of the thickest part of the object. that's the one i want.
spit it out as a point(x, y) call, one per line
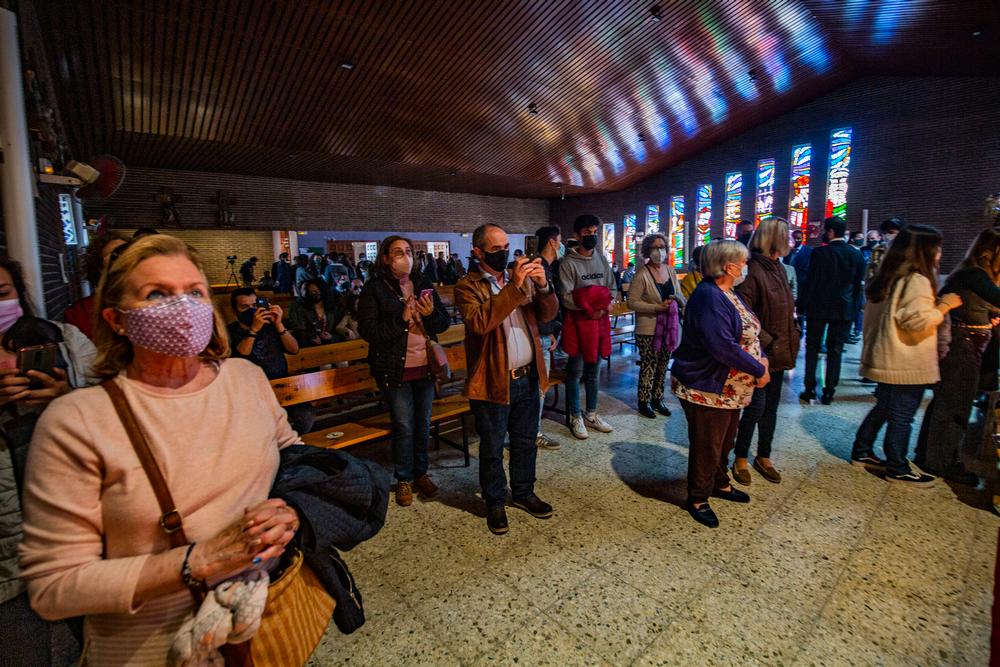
point(652, 369)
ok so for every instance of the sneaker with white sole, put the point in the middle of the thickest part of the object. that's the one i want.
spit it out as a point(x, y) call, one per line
point(577, 428)
point(911, 478)
point(545, 442)
point(594, 421)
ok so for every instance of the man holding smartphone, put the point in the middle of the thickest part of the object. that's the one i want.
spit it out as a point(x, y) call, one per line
point(259, 335)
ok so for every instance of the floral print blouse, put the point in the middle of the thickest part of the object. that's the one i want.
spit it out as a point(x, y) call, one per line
point(739, 386)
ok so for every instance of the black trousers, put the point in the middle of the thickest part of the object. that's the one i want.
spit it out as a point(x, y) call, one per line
point(836, 332)
point(947, 417)
point(711, 432)
point(762, 413)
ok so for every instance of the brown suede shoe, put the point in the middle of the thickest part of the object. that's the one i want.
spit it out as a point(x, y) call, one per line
point(425, 486)
point(767, 471)
point(741, 473)
point(404, 494)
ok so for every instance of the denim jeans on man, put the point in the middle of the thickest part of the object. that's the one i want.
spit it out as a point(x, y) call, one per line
point(518, 420)
point(576, 368)
point(895, 404)
point(410, 410)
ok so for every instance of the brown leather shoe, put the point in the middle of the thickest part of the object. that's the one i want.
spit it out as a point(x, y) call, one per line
point(404, 494)
point(767, 471)
point(425, 486)
point(741, 473)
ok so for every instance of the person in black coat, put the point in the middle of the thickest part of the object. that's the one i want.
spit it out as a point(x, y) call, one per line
point(829, 300)
point(397, 311)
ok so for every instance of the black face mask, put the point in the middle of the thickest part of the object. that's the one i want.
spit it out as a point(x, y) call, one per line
point(496, 260)
point(589, 242)
point(246, 317)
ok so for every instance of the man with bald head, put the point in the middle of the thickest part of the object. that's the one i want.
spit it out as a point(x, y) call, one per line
point(501, 309)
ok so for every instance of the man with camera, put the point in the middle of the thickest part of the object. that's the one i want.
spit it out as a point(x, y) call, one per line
point(259, 335)
point(246, 270)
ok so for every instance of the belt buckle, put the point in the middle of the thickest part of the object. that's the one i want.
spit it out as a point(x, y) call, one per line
point(518, 373)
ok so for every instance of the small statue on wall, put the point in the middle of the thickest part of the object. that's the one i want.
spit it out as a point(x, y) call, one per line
point(167, 200)
point(223, 208)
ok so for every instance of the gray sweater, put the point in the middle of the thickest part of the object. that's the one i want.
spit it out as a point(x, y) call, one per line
point(575, 271)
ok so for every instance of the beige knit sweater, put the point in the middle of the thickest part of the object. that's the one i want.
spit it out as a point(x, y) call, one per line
point(901, 335)
point(90, 515)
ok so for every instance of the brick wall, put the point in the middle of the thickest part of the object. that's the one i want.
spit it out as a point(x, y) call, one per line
point(926, 148)
point(215, 245)
point(270, 203)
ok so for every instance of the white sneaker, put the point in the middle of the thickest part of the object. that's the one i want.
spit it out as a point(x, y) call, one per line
point(595, 422)
point(577, 428)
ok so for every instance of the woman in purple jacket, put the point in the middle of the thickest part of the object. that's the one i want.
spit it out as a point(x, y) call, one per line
point(716, 368)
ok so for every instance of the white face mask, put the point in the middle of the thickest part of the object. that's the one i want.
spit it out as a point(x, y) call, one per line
point(402, 265)
point(560, 251)
point(658, 256)
point(743, 275)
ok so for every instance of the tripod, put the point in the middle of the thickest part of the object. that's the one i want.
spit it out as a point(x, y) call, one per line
point(233, 278)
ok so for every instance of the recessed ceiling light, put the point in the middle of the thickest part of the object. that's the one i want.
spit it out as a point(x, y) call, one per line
point(453, 172)
point(752, 75)
point(533, 108)
point(977, 33)
point(655, 12)
point(346, 64)
point(642, 137)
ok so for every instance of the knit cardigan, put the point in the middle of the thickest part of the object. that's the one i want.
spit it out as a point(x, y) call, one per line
point(901, 335)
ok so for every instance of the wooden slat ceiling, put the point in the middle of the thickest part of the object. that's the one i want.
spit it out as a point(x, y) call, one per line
point(439, 93)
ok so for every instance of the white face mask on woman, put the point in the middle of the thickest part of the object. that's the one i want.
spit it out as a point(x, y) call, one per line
point(402, 265)
point(658, 256)
point(740, 278)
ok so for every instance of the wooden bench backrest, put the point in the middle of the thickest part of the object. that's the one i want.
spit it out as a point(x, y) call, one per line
point(319, 385)
point(353, 350)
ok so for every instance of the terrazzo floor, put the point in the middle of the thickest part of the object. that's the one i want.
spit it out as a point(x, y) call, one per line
point(833, 566)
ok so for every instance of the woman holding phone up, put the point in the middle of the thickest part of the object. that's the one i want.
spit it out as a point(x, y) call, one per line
point(24, 393)
point(397, 312)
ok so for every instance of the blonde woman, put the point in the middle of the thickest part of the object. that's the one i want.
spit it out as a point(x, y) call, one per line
point(769, 295)
point(92, 544)
point(655, 296)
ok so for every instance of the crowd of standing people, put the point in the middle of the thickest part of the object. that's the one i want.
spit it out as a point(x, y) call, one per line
point(86, 532)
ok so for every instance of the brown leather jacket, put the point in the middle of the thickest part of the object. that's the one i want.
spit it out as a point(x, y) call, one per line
point(768, 293)
point(485, 343)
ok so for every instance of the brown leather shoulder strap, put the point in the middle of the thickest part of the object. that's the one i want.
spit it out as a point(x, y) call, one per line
point(170, 517)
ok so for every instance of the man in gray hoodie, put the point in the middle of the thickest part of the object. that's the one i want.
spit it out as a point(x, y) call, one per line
point(583, 266)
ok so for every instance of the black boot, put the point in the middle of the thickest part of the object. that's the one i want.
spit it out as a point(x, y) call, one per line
point(662, 408)
point(646, 411)
point(827, 398)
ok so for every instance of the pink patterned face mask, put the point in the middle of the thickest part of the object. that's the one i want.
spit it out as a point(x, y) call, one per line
point(180, 326)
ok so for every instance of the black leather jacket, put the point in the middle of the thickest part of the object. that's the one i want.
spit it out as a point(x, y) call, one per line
point(380, 322)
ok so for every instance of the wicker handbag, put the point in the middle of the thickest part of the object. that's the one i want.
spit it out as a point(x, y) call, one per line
point(298, 608)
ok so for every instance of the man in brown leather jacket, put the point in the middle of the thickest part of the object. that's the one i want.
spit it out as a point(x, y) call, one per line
point(506, 368)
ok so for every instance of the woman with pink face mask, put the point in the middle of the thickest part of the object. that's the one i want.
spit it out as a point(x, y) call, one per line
point(397, 311)
point(24, 394)
point(94, 545)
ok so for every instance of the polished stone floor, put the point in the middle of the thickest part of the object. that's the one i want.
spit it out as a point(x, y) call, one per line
point(831, 567)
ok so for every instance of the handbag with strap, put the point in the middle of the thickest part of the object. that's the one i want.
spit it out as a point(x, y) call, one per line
point(298, 608)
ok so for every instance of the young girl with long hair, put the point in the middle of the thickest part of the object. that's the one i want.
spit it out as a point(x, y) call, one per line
point(900, 348)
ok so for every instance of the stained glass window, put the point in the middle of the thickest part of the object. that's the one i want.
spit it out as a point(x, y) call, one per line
point(798, 201)
point(703, 219)
point(609, 242)
point(652, 219)
point(678, 230)
point(629, 238)
point(734, 195)
point(840, 166)
point(765, 189)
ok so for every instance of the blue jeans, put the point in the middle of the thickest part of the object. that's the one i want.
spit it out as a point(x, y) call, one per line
point(518, 420)
point(576, 368)
point(410, 410)
point(546, 342)
point(895, 404)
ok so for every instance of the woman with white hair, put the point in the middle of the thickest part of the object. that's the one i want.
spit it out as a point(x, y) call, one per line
point(716, 368)
point(768, 293)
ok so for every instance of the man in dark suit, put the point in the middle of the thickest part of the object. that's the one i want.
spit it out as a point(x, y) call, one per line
point(829, 299)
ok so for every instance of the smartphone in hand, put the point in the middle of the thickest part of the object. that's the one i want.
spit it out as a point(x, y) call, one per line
point(40, 358)
point(426, 292)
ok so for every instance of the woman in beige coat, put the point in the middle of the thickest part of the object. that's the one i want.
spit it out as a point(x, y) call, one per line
point(900, 349)
point(655, 293)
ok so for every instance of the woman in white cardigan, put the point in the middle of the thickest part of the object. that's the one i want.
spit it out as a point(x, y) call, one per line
point(655, 294)
point(900, 350)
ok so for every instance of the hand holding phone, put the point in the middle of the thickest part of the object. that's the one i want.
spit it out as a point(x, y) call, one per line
point(41, 358)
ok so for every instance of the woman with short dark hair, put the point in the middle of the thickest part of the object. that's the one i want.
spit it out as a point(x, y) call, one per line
point(398, 310)
point(716, 368)
point(655, 297)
